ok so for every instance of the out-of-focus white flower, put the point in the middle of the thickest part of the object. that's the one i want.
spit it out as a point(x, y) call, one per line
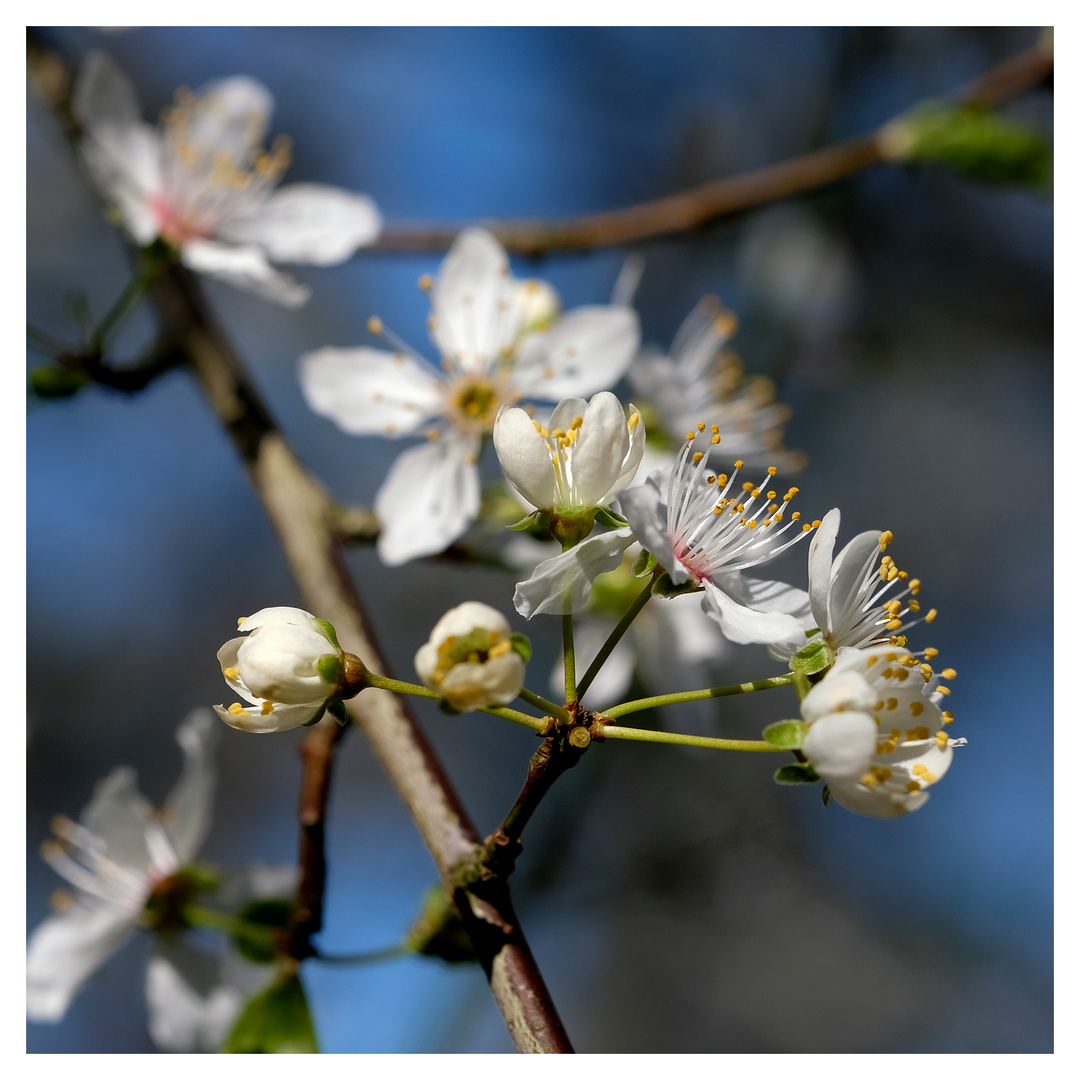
point(584, 459)
point(288, 667)
point(497, 348)
point(118, 853)
point(203, 182)
point(470, 658)
point(702, 377)
point(707, 529)
point(846, 593)
point(877, 734)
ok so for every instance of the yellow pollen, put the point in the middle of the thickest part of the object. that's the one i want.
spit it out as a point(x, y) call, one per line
point(751, 524)
point(903, 575)
point(796, 515)
point(237, 709)
point(949, 673)
point(374, 325)
point(947, 717)
point(917, 708)
point(869, 780)
point(817, 524)
point(240, 622)
point(771, 470)
point(716, 440)
point(710, 479)
point(893, 624)
point(739, 464)
point(267, 708)
point(942, 738)
point(879, 706)
point(901, 676)
point(916, 585)
point(881, 772)
point(893, 607)
point(714, 429)
point(889, 747)
point(720, 508)
point(635, 419)
point(691, 436)
point(942, 690)
point(917, 733)
point(891, 704)
point(912, 786)
point(755, 492)
point(770, 494)
point(500, 648)
point(807, 528)
point(893, 573)
point(930, 653)
point(923, 773)
point(722, 478)
point(748, 486)
point(871, 661)
point(558, 433)
point(231, 673)
point(698, 456)
point(926, 670)
point(425, 282)
point(914, 605)
point(885, 538)
point(701, 427)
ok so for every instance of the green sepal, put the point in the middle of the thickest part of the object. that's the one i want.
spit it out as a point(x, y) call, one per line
point(606, 516)
point(264, 917)
point(982, 145)
point(447, 708)
point(812, 658)
point(277, 1021)
point(329, 631)
point(786, 734)
point(439, 931)
point(644, 564)
point(529, 521)
point(664, 586)
point(522, 646)
point(826, 795)
point(796, 774)
point(315, 719)
point(571, 524)
point(329, 668)
point(336, 708)
point(202, 878)
point(55, 382)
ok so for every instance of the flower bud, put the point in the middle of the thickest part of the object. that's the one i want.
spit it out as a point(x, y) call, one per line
point(471, 659)
point(288, 668)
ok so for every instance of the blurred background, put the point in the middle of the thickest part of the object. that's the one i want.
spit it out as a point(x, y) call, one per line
point(676, 900)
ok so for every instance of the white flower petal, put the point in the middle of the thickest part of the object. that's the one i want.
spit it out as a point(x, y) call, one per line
point(307, 223)
point(246, 268)
point(474, 302)
point(189, 807)
point(278, 663)
point(847, 573)
point(191, 1010)
point(819, 561)
point(471, 615)
point(880, 802)
point(561, 585)
point(589, 349)
point(636, 453)
point(428, 498)
point(234, 119)
point(643, 507)
point(118, 814)
point(103, 94)
point(744, 625)
point(65, 950)
point(497, 681)
point(270, 616)
point(600, 450)
point(524, 456)
point(839, 691)
point(280, 718)
point(841, 745)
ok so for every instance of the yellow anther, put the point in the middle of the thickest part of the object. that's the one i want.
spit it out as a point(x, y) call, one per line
point(796, 515)
point(739, 464)
point(881, 772)
point(891, 704)
point(871, 661)
point(698, 456)
point(912, 786)
point(893, 607)
point(500, 648)
point(879, 706)
point(923, 773)
point(927, 671)
point(701, 427)
point(748, 486)
point(942, 690)
point(901, 675)
point(771, 470)
point(374, 325)
point(930, 653)
point(691, 436)
point(869, 780)
point(425, 282)
point(949, 673)
point(635, 419)
point(947, 717)
point(807, 528)
point(719, 509)
point(917, 734)
point(751, 524)
point(885, 538)
point(792, 492)
point(755, 492)
point(579, 420)
point(942, 739)
point(889, 747)
point(714, 429)
point(722, 478)
point(231, 673)
point(914, 605)
point(917, 708)
point(237, 709)
point(893, 624)
point(240, 622)
point(915, 586)
point(893, 573)
point(267, 708)
point(894, 733)
point(817, 523)
point(710, 479)
point(931, 615)
point(903, 575)
point(716, 440)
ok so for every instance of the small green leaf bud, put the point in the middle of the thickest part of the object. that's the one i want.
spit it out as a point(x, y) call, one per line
point(522, 646)
point(55, 382)
point(330, 668)
point(812, 658)
point(786, 734)
point(796, 774)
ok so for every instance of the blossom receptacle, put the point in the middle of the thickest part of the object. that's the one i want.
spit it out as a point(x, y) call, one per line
point(877, 732)
point(288, 667)
point(588, 454)
point(471, 658)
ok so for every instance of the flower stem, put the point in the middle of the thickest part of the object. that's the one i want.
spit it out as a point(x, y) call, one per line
point(380, 682)
point(124, 306)
point(613, 638)
point(229, 924)
point(569, 658)
point(535, 722)
point(377, 956)
point(643, 735)
point(697, 695)
point(549, 707)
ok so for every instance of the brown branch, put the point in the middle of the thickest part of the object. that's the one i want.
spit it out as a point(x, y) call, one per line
point(719, 198)
point(302, 515)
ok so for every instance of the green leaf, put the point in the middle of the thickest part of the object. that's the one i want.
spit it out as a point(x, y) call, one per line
point(527, 522)
point(336, 708)
point(786, 734)
point(664, 586)
point(329, 668)
point(522, 646)
point(812, 658)
point(609, 518)
point(330, 632)
point(277, 1021)
point(826, 795)
point(315, 719)
point(982, 145)
point(263, 917)
point(645, 563)
point(55, 382)
point(796, 774)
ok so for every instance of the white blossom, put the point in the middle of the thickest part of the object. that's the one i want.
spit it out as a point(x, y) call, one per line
point(877, 732)
point(584, 458)
point(847, 594)
point(288, 667)
point(470, 659)
point(499, 345)
point(202, 182)
point(701, 376)
point(707, 529)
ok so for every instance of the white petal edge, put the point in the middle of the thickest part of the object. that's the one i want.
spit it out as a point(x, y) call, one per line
point(246, 268)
